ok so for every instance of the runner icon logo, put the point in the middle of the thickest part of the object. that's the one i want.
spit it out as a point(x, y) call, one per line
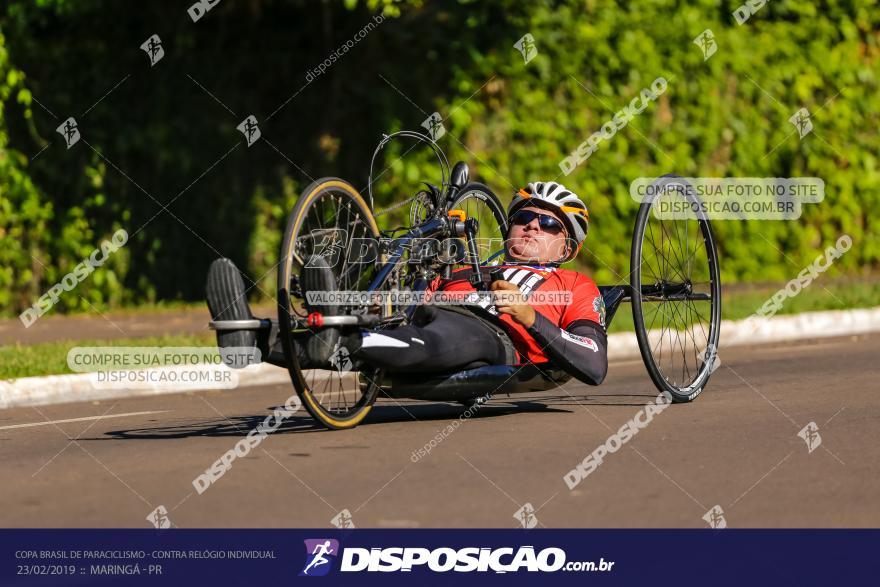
point(343, 520)
point(706, 42)
point(341, 360)
point(710, 357)
point(434, 126)
point(526, 516)
point(159, 518)
point(249, 129)
point(715, 518)
point(153, 48)
point(320, 554)
point(802, 122)
point(70, 131)
point(810, 434)
point(526, 46)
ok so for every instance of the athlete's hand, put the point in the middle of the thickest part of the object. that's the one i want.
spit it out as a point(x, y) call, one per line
point(509, 300)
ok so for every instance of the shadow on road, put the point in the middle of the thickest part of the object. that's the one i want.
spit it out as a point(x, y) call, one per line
point(384, 412)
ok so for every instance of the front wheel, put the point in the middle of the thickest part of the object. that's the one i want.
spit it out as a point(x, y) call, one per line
point(676, 293)
point(479, 202)
point(329, 220)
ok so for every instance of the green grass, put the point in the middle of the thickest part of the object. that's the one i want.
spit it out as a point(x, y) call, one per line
point(51, 358)
point(146, 308)
point(739, 302)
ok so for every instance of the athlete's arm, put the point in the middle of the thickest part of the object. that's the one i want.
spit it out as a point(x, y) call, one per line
point(581, 349)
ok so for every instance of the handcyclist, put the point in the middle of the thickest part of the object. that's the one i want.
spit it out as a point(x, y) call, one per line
point(548, 225)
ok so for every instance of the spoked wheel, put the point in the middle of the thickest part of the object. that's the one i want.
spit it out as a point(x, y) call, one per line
point(676, 299)
point(479, 202)
point(330, 219)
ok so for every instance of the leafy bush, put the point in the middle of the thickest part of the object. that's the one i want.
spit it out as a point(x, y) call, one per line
point(165, 162)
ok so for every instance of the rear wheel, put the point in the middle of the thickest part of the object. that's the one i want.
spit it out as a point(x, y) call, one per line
point(676, 299)
point(329, 219)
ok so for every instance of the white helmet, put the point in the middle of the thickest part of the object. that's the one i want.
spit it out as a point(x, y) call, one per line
point(555, 197)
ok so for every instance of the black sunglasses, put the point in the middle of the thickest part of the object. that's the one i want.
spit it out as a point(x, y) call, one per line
point(547, 223)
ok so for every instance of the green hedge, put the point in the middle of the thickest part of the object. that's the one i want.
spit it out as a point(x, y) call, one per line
point(512, 122)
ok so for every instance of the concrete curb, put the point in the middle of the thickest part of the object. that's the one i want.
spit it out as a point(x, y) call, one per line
point(752, 331)
point(60, 389)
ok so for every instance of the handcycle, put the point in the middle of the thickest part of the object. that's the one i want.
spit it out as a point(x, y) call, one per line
point(674, 291)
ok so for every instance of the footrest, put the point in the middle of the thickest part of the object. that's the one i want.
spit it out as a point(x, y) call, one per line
point(318, 320)
point(255, 324)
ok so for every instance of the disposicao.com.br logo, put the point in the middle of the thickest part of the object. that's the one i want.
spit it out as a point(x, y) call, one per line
point(442, 560)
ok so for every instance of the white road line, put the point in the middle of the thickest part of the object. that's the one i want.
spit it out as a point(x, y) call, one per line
point(81, 419)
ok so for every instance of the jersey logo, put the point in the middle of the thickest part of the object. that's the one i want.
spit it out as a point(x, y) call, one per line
point(599, 308)
point(581, 340)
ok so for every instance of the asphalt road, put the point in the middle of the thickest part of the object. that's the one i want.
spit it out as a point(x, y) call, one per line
point(736, 447)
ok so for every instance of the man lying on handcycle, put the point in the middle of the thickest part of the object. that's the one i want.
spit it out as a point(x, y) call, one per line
point(548, 225)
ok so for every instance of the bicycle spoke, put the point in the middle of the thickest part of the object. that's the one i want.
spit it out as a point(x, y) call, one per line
point(328, 224)
point(657, 276)
point(675, 267)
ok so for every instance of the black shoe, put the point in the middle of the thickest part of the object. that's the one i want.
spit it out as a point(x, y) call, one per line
point(227, 300)
point(320, 346)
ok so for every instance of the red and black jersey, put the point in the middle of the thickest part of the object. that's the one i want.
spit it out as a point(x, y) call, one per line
point(586, 308)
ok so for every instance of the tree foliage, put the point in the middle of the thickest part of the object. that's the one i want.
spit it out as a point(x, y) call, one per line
point(161, 156)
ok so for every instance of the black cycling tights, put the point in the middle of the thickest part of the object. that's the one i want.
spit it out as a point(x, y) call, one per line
point(438, 340)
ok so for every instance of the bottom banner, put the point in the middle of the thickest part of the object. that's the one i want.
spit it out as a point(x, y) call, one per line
point(389, 557)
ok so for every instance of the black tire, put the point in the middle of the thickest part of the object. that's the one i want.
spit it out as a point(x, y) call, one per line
point(679, 283)
point(479, 202)
point(320, 208)
point(227, 300)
